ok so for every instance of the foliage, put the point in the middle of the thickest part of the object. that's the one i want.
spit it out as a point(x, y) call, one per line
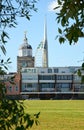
point(12, 115)
point(9, 11)
point(81, 73)
point(71, 18)
point(4, 64)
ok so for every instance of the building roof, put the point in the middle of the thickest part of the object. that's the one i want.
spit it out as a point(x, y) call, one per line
point(40, 46)
point(25, 44)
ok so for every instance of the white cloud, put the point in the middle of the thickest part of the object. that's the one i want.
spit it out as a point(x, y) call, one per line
point(52, 5)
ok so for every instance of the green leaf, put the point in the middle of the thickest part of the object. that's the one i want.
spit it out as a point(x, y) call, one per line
point(79, 72)
point(56, 37)
point(59, 2)
point(36, 122)
point(5, 34)
point(3, 49)
point(2, 61)
point(8, 59)
point(82, 66)
point(56, 7)
point(59, 30)
point(61, 39)
point(6, 67)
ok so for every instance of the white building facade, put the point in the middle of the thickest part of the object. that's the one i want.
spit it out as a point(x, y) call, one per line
point(51, 82)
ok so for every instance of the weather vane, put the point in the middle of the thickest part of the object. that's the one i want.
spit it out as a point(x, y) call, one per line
point(25, 32)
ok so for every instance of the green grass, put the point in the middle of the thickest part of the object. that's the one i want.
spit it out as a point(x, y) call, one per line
point(57, 114)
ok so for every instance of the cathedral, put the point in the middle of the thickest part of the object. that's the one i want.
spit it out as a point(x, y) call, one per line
point(41, 56)
point(25, 58)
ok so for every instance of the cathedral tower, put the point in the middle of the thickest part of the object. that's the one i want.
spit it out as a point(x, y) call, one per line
point(41, 56)
point(24, 58)
point(45, 47)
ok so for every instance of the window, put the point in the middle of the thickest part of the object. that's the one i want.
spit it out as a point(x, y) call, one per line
point(58, 77)
point(63, 85)
point(16, 88)
point(64, 77)
point(42, 71)
point(24, 53)
point(10, 88)
point(46, 77)
point(49, 70)
point(69, 77)
point(49, 87)
point(56, 70)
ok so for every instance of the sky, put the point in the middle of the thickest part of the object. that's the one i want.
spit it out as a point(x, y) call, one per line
point(59, 55)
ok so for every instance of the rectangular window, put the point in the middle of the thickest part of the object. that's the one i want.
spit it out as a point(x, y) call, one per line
point(10, 88)
point(69, 77)
point(64, 85)
point(56, 70)
point(47, 87)
point(16, 88)
point(58, 77)
point(49, 70)
point(64, 77)
point(46, 77)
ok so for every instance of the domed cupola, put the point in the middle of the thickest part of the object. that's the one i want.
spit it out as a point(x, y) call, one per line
point(25, 49)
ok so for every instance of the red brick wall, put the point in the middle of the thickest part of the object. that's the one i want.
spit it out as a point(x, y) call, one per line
point(11, 88)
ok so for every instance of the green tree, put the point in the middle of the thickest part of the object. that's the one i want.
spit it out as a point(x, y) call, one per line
point(10, 10)
point(71, 18)
point(12, 115)
point(81, 73)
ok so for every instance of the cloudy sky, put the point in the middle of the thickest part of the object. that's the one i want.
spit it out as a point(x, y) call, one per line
point(59, 55)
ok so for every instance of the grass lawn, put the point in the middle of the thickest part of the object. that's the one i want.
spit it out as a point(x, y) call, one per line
point(57, 114)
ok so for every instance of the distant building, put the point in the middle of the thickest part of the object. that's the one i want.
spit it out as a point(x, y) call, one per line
point(12, 83)
point(35, 79)
point(51, 82)
point(13, 86)
point(25, 58)
point(41, 56)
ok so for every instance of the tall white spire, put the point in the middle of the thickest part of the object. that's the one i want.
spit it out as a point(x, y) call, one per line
point(45, 46)
point(41, 56)
point(45, 29)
